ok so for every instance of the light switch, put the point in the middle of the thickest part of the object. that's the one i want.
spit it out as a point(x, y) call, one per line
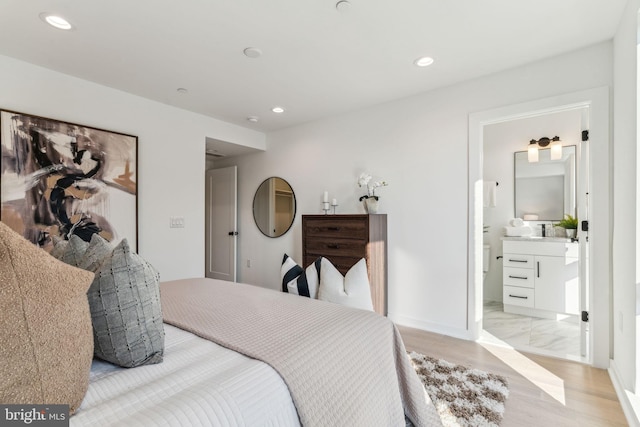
point(176, 222)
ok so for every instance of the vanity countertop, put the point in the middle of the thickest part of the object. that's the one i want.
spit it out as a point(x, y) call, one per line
point(539, 239)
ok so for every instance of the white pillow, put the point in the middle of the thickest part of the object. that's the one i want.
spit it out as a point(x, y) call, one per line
point(351, 290)
point(297, 281)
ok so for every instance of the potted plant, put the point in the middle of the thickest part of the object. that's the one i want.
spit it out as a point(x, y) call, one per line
point(570, 225)
point(370, 199)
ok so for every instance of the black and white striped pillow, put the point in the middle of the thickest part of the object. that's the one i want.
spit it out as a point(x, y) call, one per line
point(296, 280)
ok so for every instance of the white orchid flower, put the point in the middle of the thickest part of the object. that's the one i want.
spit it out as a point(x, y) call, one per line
point(363, 179)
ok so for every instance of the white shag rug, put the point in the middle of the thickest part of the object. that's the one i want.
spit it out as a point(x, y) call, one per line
point(462, 396)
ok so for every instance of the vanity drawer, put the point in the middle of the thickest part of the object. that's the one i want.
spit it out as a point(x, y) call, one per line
point(518, 260)
point(522, 277)
point(523, 297)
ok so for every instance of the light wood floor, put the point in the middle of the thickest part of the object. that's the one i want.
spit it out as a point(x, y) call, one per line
point(542, 391)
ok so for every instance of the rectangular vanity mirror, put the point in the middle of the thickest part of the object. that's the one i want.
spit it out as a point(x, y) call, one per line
point(545, 189)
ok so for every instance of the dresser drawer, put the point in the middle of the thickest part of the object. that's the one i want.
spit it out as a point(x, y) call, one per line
point(323, 246)
point(355, 228)
point(523, 277)
point(523, 297)
point(517, 260)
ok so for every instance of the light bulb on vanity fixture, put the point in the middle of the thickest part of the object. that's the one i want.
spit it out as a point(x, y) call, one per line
point(556, 148)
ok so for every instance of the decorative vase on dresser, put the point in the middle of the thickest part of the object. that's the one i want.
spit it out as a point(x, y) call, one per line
point(344, 240)
point(371, 205)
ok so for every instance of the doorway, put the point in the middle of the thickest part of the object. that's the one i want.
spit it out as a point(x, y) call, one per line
point(534, 304)
point(596, 300)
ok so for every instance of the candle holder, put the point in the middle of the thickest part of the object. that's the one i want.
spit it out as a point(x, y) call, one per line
point(334, 207)
point(325, 207)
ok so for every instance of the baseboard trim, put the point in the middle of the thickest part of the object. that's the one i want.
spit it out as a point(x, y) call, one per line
point(630, 401)
point(430, 327)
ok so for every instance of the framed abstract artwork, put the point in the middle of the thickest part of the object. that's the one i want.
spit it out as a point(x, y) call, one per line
point(59, 179)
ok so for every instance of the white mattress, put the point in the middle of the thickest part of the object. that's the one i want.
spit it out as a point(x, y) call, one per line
point(198, 384)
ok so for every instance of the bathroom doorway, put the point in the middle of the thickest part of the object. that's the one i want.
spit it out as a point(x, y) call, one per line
point(518, 311)
point(530, 331)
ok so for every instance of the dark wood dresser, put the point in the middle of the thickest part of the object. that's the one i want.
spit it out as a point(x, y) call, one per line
point(344, 240)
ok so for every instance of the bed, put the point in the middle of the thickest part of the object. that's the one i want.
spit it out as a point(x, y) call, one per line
point(199, 383)
point(240, 355)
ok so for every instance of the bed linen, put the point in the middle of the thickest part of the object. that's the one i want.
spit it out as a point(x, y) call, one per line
point(199, 383)
point(343, 366)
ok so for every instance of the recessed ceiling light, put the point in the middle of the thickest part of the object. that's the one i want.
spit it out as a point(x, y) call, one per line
point(343, 6)
point(252, 52)
point(277, 110)
point(423, 61)
point(56, 21)
point(182, 90)
point(252, 119)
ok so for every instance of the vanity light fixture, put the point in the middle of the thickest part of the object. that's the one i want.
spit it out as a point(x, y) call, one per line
point(556, 148)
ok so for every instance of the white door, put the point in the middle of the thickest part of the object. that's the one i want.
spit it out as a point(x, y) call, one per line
point(583, 236)
point(221, 222)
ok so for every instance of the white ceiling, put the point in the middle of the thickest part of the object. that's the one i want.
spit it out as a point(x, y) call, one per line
point(316, 62)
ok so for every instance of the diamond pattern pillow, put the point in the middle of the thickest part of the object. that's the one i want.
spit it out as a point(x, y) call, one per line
point(125, 309)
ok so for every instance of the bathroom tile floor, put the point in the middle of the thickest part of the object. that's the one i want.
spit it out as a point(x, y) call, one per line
point(560, 338)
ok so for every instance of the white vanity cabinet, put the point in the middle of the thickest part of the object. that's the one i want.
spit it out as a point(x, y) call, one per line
point(540, 277)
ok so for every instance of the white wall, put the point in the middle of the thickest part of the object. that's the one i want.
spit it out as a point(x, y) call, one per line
point(171, 146)
point(626, 221)
point(501, 141)
point(419, 145)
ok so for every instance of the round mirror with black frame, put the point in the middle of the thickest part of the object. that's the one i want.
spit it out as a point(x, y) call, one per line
point(274, 207)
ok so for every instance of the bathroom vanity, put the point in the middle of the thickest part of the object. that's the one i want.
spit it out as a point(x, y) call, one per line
point(540, 276)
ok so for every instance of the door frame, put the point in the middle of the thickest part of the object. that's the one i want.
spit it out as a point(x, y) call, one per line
point(600, 185)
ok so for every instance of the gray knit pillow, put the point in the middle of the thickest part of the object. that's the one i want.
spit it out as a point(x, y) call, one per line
point(72, 251)
point(124, 299)
point(97, 252)
point(59, 246)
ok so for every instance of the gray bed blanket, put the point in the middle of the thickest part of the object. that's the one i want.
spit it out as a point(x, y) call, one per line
point(343, 367)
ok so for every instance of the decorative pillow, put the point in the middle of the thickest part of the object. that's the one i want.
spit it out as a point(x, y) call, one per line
point(297, 281)
point(73, 251)
point(46, 345)
point(125, 308)
point(95, 254)
point(59, 246)
point(351, 290)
